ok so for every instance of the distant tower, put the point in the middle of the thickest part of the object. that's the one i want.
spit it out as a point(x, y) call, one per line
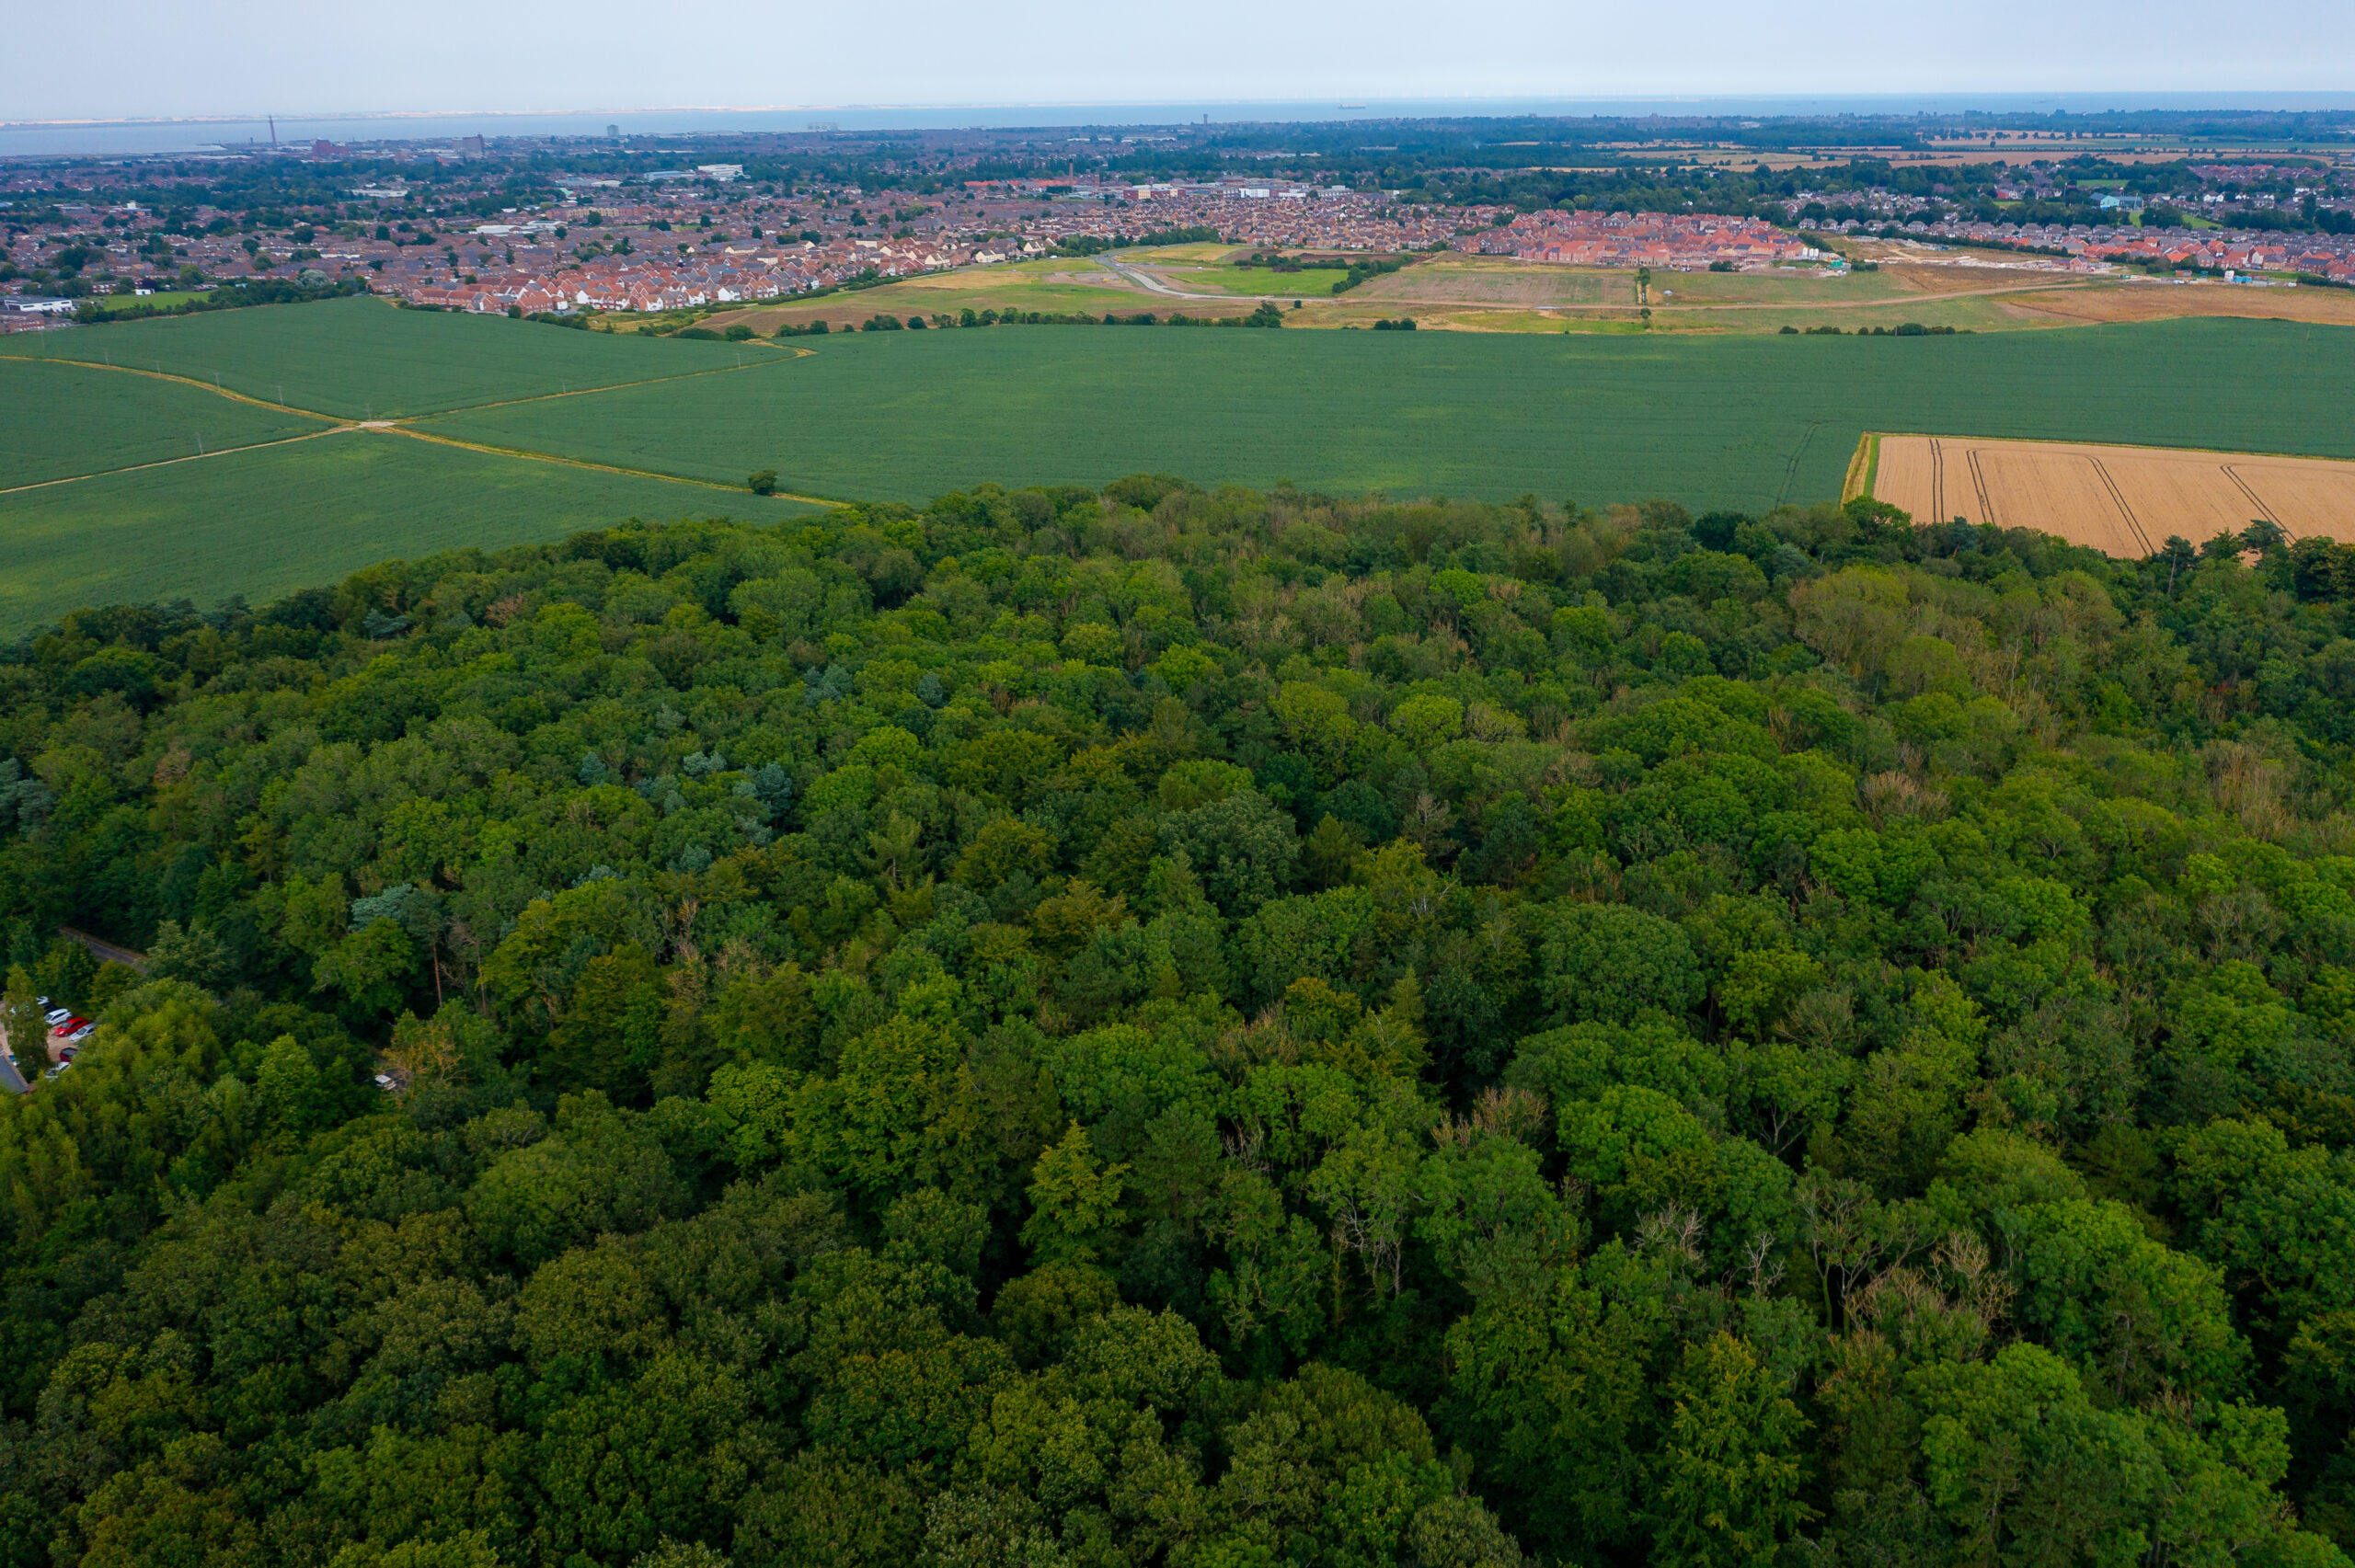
point(273, 130)
point(613, 132)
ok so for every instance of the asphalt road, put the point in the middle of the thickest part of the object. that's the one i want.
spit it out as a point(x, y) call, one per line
point(10, 1079)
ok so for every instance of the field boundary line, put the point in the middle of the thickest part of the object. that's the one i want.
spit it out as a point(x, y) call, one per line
point(2124, 446)
point(339, 419)
point(594, 390)
point(529, 455)
point(168, 462)
point(1863, 464)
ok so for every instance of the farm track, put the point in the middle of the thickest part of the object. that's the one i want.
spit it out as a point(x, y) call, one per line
point(394, 429)
point(337, 426)
point(173, 462)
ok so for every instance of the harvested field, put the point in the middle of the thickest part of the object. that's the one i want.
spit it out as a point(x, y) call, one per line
point(2160, 302)
point(2123, 500)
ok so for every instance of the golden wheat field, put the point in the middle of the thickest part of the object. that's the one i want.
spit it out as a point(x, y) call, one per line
point(2124, 500)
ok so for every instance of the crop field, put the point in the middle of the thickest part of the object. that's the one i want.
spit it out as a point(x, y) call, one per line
point(263, 521)
point(1733, 421)
point(1740, 421)
point(2121, 499)
point(360, 359)
point(59, 421)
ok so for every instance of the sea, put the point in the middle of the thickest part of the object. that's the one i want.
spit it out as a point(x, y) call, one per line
point(129, 138)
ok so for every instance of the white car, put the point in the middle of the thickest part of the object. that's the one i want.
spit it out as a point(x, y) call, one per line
point(57, 1015)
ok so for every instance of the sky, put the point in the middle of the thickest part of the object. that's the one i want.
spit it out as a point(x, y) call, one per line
point(165, 58)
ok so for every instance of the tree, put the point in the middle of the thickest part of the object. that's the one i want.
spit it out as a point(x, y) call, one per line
point(1074, 1202)
point(1729, 1478)
point(1611, 963)
point(763, 482)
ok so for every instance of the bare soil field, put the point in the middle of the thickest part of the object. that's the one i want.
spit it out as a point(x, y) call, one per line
point(2123, 500)
point(2160, 302)
point(1968, 276)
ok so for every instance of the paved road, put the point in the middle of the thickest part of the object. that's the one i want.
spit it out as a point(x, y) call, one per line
point(10, 1079)
point(105, 952)
point(1146, 280)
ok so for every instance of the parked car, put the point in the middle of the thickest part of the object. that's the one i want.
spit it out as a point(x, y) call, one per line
point(57, 1015)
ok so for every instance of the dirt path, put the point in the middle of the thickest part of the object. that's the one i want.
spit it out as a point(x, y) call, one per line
point(393, 429)
point(170, 462)
point(159, 373)
point(339, 426)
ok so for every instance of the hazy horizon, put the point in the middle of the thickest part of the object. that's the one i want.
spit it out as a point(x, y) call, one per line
point(440, 57)
point(166, 134)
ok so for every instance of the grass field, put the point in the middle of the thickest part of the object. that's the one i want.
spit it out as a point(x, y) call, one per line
point(261, 522)
point(2121, 499)
point(58, 420)
point(1739, 421)
point(1061, 284)
point(1246, 282)
point(360, 358)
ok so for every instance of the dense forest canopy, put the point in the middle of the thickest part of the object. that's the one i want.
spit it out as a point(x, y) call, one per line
point(1165, 1028)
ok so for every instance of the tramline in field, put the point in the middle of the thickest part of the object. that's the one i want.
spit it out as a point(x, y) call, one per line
point(2123, 500)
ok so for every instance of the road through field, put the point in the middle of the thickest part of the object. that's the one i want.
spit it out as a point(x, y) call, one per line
point(1144, 279)
point(25, 418)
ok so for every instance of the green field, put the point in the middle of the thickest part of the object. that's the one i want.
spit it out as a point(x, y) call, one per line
point(1049, 284)
point(1245, 283)
point(362, 359)
point(1726, 421)
point(263, 522)
point(1741, 421)
point(58, 420)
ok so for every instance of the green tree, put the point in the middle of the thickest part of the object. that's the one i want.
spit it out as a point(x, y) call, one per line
point(1729, 1478)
